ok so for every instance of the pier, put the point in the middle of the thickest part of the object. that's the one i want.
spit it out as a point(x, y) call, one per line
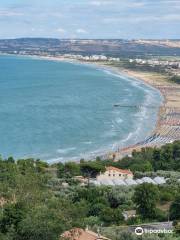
point(134, 106)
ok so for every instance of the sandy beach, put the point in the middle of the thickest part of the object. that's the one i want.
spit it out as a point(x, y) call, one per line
point(167, 128)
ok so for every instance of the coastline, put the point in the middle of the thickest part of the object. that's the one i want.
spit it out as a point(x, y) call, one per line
point(167, 127)
point(120, 152)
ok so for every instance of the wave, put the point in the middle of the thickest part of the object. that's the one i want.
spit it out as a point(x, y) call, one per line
point(130, 138)
point(134, 81)
point(65, 150)
point(133, 136)
point(88, 142)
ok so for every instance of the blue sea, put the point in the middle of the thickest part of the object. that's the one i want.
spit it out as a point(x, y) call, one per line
point(60, 111)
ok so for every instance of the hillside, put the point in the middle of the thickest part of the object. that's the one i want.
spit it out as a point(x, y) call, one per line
point(116, 47)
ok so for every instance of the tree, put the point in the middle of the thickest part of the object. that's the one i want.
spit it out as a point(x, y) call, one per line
point(111, 216)
point(12, 216)
point(10, 159)
point(42, 223)
point(96, 209)
point(175, 209)
point(145, 197)
point(142, 167)
point(60, 170)
point(165, 158)
point(68, 170)
point(92, 221)
point(157, 159)
point(167, 162)
point(91, 169)
point(71, 169)
point(176, 155)
point(119, 196)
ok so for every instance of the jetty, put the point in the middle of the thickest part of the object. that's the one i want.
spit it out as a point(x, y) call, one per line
point(167, 129)
point(134, 106)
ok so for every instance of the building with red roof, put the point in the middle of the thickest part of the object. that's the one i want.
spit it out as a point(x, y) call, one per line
point(112, 173)
point(81, 234)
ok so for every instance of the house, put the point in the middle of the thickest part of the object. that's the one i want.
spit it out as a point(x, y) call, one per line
point(80, 234)
point(113, 173)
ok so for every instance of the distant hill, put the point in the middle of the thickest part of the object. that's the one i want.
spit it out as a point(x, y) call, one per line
point(116, 47)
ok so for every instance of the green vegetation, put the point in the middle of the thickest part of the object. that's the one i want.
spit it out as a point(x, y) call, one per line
point(166, 158)
point(86, 169)
point(35, 203)
point(121, 233)
point(176, 79)
point(125, 63)
point(159, 69)
point(145, 197)
point(175, 208)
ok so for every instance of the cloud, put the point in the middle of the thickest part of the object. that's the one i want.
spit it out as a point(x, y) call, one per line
point(37, 29)
point(90, 18)
point(160, 2)
point(81, 31)
point(145, 18)
point(134, 3)
point(137, 4)
point(55, 14)
point(9, 13)
point(100, 3)
point(61, 30)
point(171, 17)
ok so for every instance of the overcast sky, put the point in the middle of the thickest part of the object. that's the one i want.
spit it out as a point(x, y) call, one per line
point(90, 18)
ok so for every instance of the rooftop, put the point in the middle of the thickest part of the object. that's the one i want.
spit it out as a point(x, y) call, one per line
point(119, 170)
point(80, 234)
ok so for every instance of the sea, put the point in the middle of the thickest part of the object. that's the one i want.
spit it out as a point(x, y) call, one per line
point(63, 111)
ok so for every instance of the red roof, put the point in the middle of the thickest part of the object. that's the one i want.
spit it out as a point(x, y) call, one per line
point(119, 170)
point(80, 234)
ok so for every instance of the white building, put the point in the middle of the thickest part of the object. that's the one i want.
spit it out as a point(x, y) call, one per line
point(113, 173)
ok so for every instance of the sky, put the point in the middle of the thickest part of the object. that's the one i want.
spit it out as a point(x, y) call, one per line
point(92, 19)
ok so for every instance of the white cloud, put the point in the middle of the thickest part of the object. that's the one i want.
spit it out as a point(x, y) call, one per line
point(81, 31)
point(37, 29)
point(9, 13)
point(171, 17)
point(55, 14)
point(137, 19)
point(137, 4)
point(134, 3)
point(100, 3)
point(61, 30)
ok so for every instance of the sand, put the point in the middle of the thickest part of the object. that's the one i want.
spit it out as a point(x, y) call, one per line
point(167, 128)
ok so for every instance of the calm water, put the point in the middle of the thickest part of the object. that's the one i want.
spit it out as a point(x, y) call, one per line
point(63, 111)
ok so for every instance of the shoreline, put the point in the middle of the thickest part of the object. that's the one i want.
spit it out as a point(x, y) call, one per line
point(166, 123)
point(167, 127)
point(119, 153)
